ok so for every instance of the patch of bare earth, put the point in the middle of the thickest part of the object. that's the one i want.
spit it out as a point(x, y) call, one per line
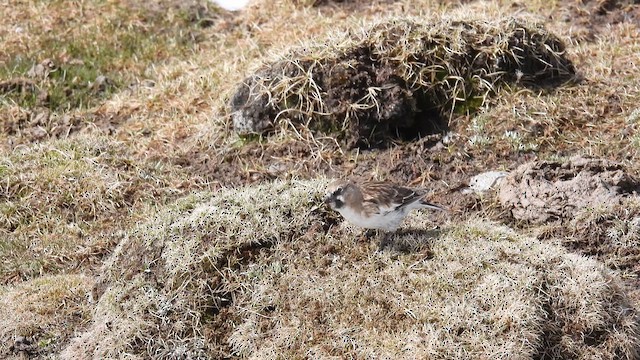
point(593, 205)
point(592, 17)
point(547, 191)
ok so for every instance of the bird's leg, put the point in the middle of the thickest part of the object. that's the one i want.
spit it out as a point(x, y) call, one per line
point(368, 234)
point(384, 240)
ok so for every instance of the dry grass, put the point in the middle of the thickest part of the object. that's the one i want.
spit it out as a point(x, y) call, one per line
point(61, 201)
point(290, 289)
point(609, 232)
point(587, 118)
point(77, 45)
point(108, 162)
point(43, 311)
point(181, 269)
point(398, 75)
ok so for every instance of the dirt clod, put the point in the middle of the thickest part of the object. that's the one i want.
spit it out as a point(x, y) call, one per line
point(546, 191)
point(24, 344)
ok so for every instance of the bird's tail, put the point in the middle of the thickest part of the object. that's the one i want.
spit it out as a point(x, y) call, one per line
point(429, 205)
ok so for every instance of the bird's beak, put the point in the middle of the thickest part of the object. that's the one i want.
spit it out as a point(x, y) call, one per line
point(328, 200)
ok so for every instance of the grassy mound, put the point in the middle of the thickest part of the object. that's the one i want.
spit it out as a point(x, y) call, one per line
point(398, 77)
point(198, 280)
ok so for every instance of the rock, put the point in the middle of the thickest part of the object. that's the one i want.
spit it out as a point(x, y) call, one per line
point(42, 70)
point(251, 114)
point(231, 5)
point(485, 181)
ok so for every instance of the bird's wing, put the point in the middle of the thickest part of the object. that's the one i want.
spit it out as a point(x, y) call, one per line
point(381, 197)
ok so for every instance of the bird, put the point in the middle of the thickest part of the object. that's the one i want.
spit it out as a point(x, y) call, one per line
point(377, 205)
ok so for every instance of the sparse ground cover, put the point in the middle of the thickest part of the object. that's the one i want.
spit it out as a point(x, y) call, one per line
point(118, 137)
point(63, 57)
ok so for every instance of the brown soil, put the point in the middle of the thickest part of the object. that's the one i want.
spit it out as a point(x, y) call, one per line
point(546, 191)
point(592, 17)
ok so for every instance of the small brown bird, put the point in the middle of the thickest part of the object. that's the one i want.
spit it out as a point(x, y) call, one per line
point(375, 204)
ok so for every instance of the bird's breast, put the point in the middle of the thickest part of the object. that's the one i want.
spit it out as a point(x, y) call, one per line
point(389, 221)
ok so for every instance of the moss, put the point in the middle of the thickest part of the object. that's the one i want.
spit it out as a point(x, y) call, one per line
point(262, 269)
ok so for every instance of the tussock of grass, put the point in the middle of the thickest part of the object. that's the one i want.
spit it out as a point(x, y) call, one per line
point(397, 76)
point(252, 272)
point(46, 311)
point(182, 268)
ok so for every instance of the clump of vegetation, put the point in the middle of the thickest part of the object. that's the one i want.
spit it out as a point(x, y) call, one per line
point(263, 271)
point(181, 270)
point(398, 78)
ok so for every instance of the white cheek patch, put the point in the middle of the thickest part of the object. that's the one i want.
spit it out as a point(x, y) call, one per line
point(340, 198)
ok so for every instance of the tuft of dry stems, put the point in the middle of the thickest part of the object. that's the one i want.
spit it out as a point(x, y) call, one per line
point(364, 83)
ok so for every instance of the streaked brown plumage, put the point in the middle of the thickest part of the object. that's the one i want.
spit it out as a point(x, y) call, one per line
point(375, 204)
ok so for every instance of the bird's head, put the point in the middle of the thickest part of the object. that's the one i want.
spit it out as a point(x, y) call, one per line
point(335, 196)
